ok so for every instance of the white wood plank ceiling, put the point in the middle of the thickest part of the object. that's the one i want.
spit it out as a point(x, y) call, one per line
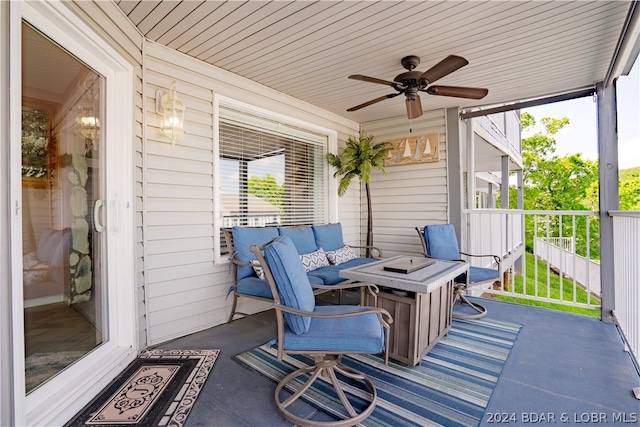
point(307, 49)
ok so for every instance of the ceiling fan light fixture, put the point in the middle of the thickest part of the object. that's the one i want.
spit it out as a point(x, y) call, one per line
point(411, 82)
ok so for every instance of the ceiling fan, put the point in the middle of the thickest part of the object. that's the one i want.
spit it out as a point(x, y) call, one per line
point(411, 82)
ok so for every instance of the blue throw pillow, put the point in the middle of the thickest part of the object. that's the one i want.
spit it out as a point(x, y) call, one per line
point(243, 238)
point(291, 281)
point(302, 237)
point(329, 236)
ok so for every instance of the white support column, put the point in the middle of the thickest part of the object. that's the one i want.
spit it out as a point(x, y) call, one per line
point(504, 183)
point(491, 197)
point(471, 170)
point(520, 183)
point(454, 168)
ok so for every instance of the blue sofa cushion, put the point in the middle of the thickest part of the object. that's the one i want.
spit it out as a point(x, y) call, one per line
point(328, 236)
point(302, 238)
point(243, 238)
point(291, 281)
point(254, 286)
point(478, 274)
point(441, 241)
point(354, 334)
point(330, 275)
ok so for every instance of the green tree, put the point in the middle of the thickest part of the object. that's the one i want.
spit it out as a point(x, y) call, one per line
point(267, 188)
point(628, 190)
point(358, 159)
point(552, 182)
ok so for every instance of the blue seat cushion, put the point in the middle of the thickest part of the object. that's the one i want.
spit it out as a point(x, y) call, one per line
point(255, 287)
point(291, 281)
point(328, 236)
point(315, 280)
point(441, 241)
point(330, 275)
point(302, 237)
point(243, 238)
point(354, 334)
point(478, 274)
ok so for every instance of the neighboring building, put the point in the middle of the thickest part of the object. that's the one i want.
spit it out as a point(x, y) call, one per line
point(258, 212)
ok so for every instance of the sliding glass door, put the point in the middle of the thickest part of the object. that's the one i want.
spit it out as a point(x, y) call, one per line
point(62, 219)
point(72, 247)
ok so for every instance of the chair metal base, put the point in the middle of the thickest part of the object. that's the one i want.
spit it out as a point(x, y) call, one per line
point(460, 293)
point(325, 367)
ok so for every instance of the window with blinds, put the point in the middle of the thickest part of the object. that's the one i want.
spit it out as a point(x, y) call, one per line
point(270, 173)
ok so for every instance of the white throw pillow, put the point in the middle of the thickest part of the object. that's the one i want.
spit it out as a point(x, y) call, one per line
point(314, 260)
point(257, 268)
point(341, 255)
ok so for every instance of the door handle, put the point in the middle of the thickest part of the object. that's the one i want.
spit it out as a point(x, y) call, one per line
point(96, 216)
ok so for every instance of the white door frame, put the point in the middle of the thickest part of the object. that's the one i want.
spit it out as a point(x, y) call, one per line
point(59, 399)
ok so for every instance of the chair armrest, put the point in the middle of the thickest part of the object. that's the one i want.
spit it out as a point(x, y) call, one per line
point(347, 284)
point(238, 262)
point(496, 258)
point(428, 256)
point(373, 248)
point(383, 314)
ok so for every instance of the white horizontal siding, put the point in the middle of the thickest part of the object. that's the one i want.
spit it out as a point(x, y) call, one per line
point(410, 195)
point(185, 290)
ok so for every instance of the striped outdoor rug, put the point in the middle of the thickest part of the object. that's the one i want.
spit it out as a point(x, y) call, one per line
point(451, 386)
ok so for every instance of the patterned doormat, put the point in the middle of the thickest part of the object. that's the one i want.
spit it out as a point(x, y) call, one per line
point(159, 388)
point(451, 386)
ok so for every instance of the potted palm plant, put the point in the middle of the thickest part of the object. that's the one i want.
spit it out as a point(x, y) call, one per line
point(360, 156)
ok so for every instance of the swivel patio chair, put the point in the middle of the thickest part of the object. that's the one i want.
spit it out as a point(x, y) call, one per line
point(323, 332)
point(440, 241)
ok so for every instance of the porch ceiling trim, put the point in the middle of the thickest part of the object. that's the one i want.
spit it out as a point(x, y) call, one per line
point(627, 47)
point(468, 114)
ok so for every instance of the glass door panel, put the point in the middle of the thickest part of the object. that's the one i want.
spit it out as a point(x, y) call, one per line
point(63, 214)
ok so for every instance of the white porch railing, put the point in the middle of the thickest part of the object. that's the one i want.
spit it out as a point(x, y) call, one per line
point(507, 232)
point(560, 254)
point(494, 232)
point(626, 264)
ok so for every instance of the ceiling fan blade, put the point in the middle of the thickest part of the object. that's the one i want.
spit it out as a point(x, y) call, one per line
point(373, 101)
point(448, 65)
point(459, 92)
point(414, 107)
point(370, 79)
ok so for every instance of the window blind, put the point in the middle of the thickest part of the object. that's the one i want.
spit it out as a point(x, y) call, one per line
point(270, 173)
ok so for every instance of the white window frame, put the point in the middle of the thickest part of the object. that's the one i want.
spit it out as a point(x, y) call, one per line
point(332, 146)
point(63, 396)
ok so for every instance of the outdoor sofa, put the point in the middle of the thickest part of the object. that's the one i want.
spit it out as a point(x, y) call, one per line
point(321, 249)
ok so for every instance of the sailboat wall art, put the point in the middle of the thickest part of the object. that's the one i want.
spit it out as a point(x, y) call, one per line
point(414, 150)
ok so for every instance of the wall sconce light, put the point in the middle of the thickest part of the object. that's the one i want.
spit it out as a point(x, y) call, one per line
point(87, 116)
point(172, 112)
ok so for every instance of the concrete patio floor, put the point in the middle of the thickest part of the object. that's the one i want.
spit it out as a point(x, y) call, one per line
point(563, 369)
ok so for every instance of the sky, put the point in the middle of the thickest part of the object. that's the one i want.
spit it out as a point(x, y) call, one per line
point(580, 135)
